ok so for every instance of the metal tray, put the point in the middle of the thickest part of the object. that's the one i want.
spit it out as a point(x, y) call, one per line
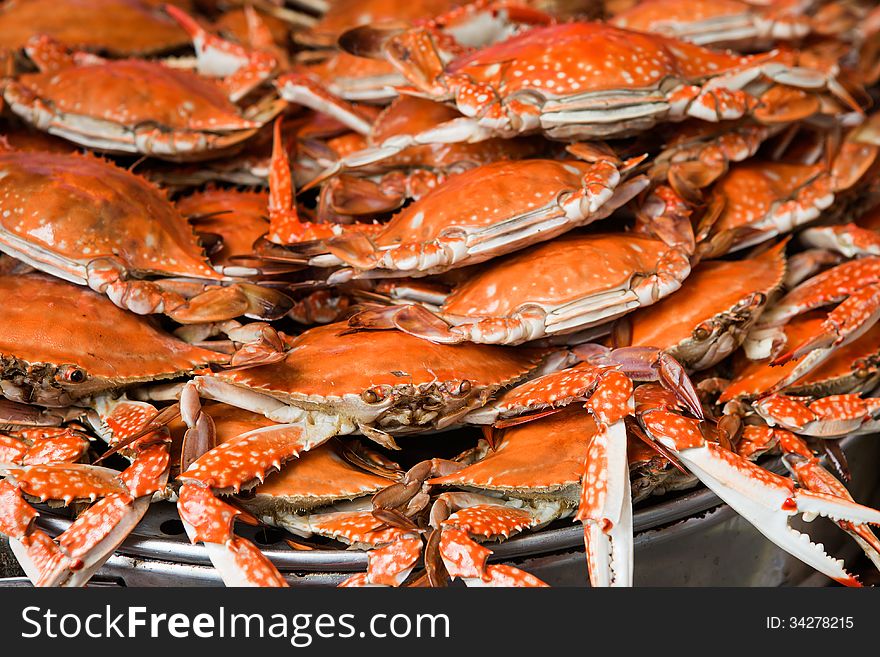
point(690, 539)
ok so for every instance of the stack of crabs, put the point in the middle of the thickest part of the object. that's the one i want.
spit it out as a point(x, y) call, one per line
point(416, 277)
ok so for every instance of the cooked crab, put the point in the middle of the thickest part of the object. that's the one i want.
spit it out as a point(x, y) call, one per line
point(415, 171)
point(90, 222)
point(559, 287)
point(589, 80)
point(763, 498)
point(721, 23)
point(455, 225)
point(101, 103)
point(852, 368)
point(403, 385)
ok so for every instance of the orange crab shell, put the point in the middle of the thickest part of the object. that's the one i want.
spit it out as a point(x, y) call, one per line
point(554, 273)
point(116, 91)
point(355, 78)
point(708, 306)
point(722, 21)
point(483, 196)
point(754, 189)
point(318, 367)
point(110, 346)
point(343, 15)
point(316, 478)
point(409, 115)
point(120, 27)
point(571, 58)
point(83, 208)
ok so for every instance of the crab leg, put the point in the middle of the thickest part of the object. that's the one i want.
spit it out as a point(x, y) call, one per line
point(227, 468)
point(394, 551)
point(764, 499)
point(241, 69)
point(303, 90)
point(850, 240)
point(835, 285)
point(78, 552)
point(833, 416)
point(38, 446)
point(285, 226)
point(459, 516)
point(606, 499)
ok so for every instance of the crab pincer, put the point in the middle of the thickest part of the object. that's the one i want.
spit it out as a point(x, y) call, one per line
point(765, 499)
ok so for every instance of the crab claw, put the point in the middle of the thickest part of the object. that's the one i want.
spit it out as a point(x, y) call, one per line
point(477, 516)
point(849, 321)
point(242, 69)
point(606, 509)
point(765, 499)
point(811, 475)
point(646, 364)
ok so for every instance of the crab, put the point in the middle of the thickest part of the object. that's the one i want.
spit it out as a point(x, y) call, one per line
point(696, 153)
point(554, 288)
point(831, 416)
point(403, 385)
point(757, 200)
point(708, 318)
point(330, 85)
point(453, 225)
point(146, 259)
point(285, 224)
point(536, 470)
point(726, 23)
point(62, 99)
point(97, 348)
point(854, 240)
point(71, 558)
point(56, 366)
point(311, 495)
point(343, 15)
point(590, 80)
point(809, 473)
point(37, 445)
point(118, 27)
point(603, 385)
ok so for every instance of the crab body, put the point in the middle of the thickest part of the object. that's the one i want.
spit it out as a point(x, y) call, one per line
point(93, 348)
point(728, 23)
point(111, 230)
point(455, 225)
point(102, 104)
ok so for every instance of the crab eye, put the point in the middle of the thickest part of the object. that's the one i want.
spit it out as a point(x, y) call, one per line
point(458, 388)
point(373, 395)
point(72, 374)
point(702, 332)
